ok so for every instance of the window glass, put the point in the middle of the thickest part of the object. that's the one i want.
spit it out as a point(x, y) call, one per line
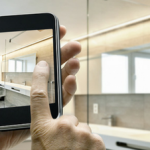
point(114, 73)
point(18, 66)
point(142, 72)
point(11, 66)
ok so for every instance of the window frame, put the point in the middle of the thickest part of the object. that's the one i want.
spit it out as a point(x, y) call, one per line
point(132, 67)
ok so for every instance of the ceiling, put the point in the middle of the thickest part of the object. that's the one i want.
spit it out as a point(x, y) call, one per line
point(21, 39)
point(72, 13)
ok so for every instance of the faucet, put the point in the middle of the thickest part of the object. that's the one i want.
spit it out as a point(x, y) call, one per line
point(110, 120)
point(24, 83)
point(10, 80)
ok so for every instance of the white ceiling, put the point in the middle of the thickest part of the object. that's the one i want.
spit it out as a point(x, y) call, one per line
point(72, 13)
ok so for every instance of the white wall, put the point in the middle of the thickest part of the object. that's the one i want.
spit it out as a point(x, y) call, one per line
point(69, 109)
point(81, 78)
point(94, 76)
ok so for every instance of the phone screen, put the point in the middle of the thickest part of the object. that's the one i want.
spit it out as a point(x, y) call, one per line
point(20, 52)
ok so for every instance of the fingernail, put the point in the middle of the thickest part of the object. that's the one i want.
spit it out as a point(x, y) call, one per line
point(42, 64)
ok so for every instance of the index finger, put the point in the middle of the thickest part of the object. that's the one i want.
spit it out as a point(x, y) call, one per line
point(39, 95)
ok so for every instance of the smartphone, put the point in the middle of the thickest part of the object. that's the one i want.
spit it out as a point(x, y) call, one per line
point(25, 40)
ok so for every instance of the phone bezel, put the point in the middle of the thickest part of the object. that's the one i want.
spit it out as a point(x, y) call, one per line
point(19, 117)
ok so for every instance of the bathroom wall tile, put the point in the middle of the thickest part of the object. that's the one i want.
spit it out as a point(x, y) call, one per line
point(81, 108)
point(81, 115)
point(81, 103)
point(100, 100)
point(147, 111)
point(137, 102)
point(19, 77)
point(125, 117)
point(147, 101)
point(118, 100)
point(147, 119)
point(128, 110)
point(97, 118)
point(136, 122)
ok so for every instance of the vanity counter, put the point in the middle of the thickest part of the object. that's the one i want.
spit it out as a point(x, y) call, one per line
point(130, 137)
point(133, 134)
point(133, 138)
point(22, 89)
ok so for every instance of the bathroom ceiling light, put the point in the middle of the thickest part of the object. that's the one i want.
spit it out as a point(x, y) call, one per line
point(112, 28)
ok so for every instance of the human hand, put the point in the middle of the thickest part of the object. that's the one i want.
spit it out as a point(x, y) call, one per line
point(64, 133)
point(12, 138)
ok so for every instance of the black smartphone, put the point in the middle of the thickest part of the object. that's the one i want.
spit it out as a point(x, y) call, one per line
point(25, 40)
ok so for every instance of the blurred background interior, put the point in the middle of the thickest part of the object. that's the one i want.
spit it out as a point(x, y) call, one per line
point(113, 84)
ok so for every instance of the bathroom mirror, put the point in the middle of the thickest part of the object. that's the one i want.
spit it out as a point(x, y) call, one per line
point(25, 63)
point(122, 71)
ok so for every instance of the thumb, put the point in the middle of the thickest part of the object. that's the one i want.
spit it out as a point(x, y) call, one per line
point(39, 95)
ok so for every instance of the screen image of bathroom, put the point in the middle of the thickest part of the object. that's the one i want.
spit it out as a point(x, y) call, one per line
point(19, 53)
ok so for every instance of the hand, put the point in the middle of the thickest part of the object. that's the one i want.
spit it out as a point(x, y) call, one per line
point(12, 138)
point(64, 133)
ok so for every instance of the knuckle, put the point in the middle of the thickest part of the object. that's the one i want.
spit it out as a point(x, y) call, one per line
point(38, 94)
point(40, 74)
point(84, 135)
point(64, 125)
point(98, 142)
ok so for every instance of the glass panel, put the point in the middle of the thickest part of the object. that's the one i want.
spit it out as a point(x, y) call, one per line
point(118, 73)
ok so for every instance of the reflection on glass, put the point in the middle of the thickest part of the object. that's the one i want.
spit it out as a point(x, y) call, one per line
point(114, 74)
